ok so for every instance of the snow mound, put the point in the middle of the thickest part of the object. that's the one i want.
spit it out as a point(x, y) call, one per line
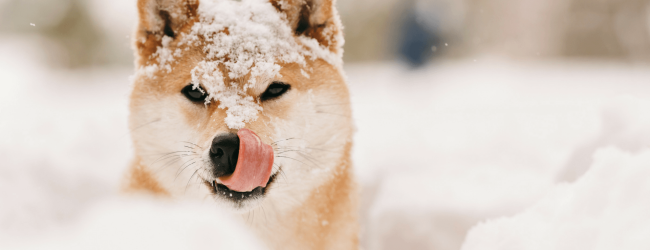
point(607, 208)
point(434, 209)
point(149, 224)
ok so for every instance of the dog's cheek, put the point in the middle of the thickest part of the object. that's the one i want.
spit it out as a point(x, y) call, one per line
point(158, 126)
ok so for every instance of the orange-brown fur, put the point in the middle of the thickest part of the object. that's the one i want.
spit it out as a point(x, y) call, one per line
point(326, 218)
point(140, 179)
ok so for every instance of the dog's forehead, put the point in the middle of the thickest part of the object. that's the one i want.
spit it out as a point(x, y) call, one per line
point(242, 39)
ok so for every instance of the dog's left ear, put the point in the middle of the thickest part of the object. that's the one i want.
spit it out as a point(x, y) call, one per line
point(160, 18)
point(317, 19)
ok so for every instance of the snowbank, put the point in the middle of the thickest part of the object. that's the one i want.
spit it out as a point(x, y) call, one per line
point(64, 144)
point(443, 148)
point(141, 223)
point(607, 208)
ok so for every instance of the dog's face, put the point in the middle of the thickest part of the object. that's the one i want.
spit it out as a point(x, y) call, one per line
point(240, 101)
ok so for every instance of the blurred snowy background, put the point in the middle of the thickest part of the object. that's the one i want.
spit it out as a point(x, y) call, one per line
point(472, 116)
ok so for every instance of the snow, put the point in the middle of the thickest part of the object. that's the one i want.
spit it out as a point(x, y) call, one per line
point(606, 208)
point(62, 146)
point(440, 149)
point(437, 151)
point(138, 223)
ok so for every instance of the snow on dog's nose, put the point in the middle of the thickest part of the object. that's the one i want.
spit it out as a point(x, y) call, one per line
point(253, 165)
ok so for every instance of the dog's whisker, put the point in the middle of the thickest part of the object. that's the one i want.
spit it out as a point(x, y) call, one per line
point(309, 158)
point(171, 154)
point(193, 144)
point(305, 155)
point(276, 142)
point(253, 221)
point(188, 181)
point(333, 104)
point(284, 177)
point(183, 169)
point(282, 156)
point(169, 163)
point(166, 153)
point(142, 126)
point(169, 160)
point(174, 152)
point(266, 220)
point(171, 157)
point(287, 151)
point(182, 164)
point(328, 113)
point(310, 148)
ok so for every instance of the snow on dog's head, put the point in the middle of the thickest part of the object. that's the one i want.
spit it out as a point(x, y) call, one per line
point(207, 69)
point(248, 39)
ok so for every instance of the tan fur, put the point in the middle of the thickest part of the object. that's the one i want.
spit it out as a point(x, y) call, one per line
point(312, 204)
point(140, 179)
point(325, 220)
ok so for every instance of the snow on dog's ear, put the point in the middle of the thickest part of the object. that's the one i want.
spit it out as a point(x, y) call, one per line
point(317, 19)
point(160, 18)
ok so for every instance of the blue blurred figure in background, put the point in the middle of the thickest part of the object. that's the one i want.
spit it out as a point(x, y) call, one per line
point(420, 38)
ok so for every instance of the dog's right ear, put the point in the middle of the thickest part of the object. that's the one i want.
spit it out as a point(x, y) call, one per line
point(317, 19)
point(160, 18)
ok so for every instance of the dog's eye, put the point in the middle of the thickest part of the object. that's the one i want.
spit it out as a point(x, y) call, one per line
point(194, 94)
point(275, 90)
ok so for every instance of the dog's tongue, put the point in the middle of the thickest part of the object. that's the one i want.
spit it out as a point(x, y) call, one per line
point(254, 163)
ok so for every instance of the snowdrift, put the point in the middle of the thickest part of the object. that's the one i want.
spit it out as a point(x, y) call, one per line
point(441, 149)
point(142, 223)
point(606, 208)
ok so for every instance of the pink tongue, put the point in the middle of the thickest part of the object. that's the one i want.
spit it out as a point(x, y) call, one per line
point(254, 163)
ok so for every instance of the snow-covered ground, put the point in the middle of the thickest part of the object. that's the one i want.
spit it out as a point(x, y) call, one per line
point(606, 208)
point(443, 148)
point(437, 151)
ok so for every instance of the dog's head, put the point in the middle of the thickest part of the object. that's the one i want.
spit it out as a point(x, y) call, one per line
point(242, 101)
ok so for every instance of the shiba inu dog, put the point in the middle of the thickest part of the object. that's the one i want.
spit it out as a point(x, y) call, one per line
point(244, 104)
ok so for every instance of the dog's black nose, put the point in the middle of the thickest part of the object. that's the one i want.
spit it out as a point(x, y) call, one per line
point(224, 152)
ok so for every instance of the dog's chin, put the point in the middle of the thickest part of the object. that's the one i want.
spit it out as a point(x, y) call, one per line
point(238, 202)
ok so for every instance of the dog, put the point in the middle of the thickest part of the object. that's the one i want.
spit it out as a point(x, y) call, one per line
point(244, 104)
